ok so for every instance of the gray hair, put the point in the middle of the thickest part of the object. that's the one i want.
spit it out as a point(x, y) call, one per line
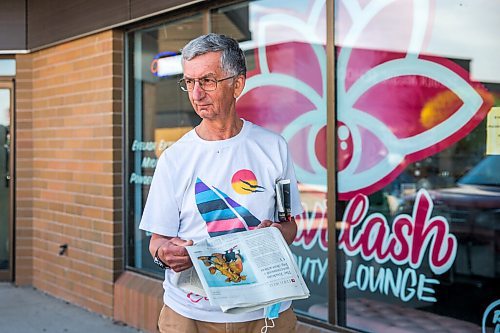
point(232, 60)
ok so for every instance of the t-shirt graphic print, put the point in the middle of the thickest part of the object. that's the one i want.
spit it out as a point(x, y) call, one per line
point(245, 182)
point(221, 213)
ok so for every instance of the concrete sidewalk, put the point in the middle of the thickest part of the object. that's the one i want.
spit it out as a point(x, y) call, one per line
point(27, 310)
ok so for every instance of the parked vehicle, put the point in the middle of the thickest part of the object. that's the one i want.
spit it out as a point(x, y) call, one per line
point(472, 208)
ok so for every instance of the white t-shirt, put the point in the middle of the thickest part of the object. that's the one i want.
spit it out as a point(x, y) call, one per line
point(185, 201)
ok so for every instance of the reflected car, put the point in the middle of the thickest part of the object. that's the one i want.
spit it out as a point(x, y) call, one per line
point(472, 208)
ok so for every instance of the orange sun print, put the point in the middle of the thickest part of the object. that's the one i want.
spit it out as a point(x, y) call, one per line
point(245, 182)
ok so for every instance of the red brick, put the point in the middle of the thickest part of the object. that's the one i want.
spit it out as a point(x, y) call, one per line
point(68, 145)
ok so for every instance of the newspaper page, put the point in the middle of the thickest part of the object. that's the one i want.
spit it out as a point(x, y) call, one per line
point(244, 271)
point(189, 281)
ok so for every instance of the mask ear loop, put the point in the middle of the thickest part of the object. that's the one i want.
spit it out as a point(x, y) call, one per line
point(266, 326)
point(270, 312)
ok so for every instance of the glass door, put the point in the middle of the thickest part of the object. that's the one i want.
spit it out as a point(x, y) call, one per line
point(6, 225)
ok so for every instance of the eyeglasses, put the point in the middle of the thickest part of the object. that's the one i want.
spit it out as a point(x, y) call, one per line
point(206, 83)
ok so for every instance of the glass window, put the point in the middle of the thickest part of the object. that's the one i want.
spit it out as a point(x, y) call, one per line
point(158, 114)
point(5, 193)
point(285, 91)
point(418, 187)
point(7, 67)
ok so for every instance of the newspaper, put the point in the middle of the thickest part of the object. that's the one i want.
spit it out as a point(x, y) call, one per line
point(244, 271)
point(283, 200)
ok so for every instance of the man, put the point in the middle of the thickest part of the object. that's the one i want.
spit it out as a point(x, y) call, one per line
point(225, 164)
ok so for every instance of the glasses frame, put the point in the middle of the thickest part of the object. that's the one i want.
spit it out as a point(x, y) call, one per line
point(183, 80)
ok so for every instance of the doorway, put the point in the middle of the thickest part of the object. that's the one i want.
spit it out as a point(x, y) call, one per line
point(6, 186)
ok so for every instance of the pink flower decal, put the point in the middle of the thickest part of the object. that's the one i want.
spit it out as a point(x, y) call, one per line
point(395, 103)
point(285, 89)
point(396, 107)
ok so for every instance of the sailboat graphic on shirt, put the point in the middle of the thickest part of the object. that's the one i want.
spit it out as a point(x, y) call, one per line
point(222, 214)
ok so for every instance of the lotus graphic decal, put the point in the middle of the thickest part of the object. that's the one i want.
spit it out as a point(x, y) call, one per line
point(395, 106)
point(286, 91)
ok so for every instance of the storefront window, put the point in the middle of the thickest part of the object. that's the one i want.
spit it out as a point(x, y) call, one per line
point(285, 91)
point(158, 114)
point(418, 113)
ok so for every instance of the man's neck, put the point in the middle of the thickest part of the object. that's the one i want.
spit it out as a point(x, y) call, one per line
point(212, 130)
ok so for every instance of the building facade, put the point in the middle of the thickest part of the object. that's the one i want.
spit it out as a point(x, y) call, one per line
point(390, 109)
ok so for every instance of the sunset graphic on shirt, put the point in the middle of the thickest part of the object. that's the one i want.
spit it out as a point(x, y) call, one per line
point(245, 182)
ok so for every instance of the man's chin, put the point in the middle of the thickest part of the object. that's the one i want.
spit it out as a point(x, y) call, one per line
point(205, 114)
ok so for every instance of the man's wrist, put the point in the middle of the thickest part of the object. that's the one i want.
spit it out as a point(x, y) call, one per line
point(158, 261)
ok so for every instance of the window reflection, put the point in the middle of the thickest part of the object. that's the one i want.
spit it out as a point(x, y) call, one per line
point(286, 92)
point(158, 116)
point(284, 43)
point(419, 204)
point(5, 158)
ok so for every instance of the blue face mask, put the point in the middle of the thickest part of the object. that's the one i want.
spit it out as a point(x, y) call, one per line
point(272, 311)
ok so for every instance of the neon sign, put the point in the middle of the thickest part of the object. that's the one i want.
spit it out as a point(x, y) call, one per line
point(166, 64)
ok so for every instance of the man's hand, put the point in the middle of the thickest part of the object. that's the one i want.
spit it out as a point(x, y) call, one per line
point(172, 251)
point(265, 224)
point(288, 229)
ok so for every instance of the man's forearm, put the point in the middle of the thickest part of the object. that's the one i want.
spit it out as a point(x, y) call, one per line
point(289, 230)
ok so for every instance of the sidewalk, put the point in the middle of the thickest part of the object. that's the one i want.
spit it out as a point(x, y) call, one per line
point(27, 310)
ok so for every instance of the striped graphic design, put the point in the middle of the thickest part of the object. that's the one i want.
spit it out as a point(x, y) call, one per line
point(220, 212)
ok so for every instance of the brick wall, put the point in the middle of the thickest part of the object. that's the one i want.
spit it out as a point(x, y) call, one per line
point(69, 169)
point(138, 301)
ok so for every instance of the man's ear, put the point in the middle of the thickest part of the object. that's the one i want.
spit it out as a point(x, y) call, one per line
point(239, 85)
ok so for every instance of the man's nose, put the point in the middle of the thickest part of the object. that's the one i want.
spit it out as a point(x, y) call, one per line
point(198, 92)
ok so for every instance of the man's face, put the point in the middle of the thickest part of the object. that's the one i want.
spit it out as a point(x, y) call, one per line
point(217, 104)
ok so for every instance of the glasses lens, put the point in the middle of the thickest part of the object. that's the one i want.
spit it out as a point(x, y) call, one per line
point(183, 85)
point(208, 84)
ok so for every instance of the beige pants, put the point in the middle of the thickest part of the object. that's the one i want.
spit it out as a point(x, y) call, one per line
point(172, 322)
